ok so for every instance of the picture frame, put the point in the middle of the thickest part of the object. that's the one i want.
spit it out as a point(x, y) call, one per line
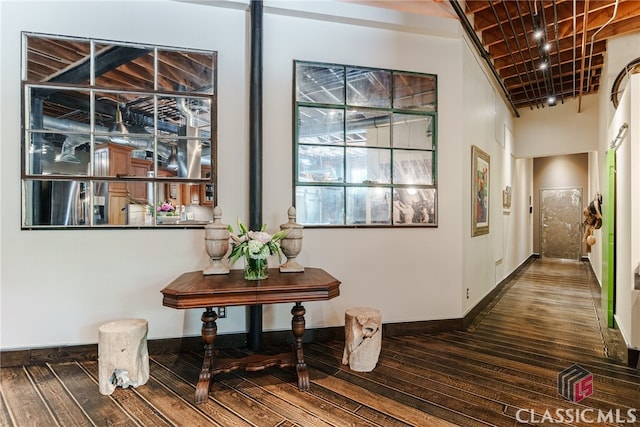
point(480, 191)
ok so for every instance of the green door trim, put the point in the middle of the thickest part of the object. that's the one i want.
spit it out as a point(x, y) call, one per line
point(608, 244)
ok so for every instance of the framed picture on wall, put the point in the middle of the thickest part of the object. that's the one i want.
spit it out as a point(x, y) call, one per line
point(480, 169)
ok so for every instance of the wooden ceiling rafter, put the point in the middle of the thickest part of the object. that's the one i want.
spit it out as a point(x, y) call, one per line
point(506, 27)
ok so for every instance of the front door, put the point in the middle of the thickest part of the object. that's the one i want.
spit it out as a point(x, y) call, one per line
point(560, 223)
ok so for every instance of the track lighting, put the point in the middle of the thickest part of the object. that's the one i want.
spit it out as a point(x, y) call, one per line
point(537, 34)
point(551, 101)
point(544, 65)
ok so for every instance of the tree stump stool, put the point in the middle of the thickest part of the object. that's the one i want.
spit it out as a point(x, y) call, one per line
point(123, 358)
point(363, 338)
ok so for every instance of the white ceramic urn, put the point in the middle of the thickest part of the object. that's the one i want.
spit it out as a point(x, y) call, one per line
point(291, 244)
point(216, 240)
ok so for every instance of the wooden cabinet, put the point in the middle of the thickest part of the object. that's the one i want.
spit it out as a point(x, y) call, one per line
point(169, 191)
point(114, 160)
point(138, 190)
point(198, 194)
point(206, 190)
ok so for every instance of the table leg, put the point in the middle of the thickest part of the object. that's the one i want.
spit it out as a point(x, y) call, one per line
point(209, 332)
point(297, 326)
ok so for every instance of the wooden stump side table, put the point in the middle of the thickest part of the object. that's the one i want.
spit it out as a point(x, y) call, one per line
point(195, 290)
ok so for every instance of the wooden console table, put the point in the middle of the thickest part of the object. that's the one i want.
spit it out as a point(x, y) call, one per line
point(195, 290)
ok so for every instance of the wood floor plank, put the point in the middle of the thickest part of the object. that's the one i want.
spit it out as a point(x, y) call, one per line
point(594, 347)
point(5, 419)
point(101, 410)
point(178, 411)
point(139, 409)
point(373, 410)
point(377, 408)
point(495, 399)
point(512, 392)
point(161, 370)
point(62, 405)
point(540, 368)
point(557, 351)
point(252, 411)
point(408, 397)
point(303, 401)
point(25, 404)
point(534, 345)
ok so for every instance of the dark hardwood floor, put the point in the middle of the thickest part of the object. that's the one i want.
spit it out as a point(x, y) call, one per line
point(501, 371)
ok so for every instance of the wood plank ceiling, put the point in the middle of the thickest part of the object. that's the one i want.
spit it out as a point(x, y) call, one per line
point(572, 44)
point(567, 58)
point(119, 70)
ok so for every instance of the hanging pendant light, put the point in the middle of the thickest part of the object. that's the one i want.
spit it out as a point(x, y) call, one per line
point(172, 161)
point(118, 125)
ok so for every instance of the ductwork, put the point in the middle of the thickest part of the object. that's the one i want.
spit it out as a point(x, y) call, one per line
point(68, 153)
point(189, 150)
point(73, 141)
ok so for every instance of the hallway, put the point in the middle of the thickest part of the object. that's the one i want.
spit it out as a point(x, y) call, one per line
point(502, 371)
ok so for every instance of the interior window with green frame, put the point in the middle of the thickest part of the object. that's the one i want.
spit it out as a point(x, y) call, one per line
point(117, 134)
point(365, 146)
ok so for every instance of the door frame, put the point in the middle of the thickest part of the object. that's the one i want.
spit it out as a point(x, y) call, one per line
point(609, 241)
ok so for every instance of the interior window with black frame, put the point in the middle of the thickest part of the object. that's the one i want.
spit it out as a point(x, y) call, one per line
point(116, 134)
point(365, 146)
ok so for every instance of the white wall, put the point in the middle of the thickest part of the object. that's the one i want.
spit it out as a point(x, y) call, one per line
point(558, 130)
point(488, 124)
point(627, 308)
point(620, 51)
point(59, 286)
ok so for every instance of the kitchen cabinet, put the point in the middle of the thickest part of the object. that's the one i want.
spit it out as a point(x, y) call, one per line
point(198, 194)
point(206, 190)
point(138, 190)
point(170, 191)
point(113, 160)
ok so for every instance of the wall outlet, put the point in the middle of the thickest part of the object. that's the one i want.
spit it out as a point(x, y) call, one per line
point(467, 293)
point(222, 312)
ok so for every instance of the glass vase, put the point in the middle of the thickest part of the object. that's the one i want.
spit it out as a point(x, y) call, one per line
point(255, 269)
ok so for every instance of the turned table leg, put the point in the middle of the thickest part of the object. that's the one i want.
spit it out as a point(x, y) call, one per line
point(297, 326)
point(209, 331)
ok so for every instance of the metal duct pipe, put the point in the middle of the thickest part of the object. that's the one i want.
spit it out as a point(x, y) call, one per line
point(593, 37)
point(68, 153)
point(189, 150)
point(254, 337)
point(481, 50)
point(69, 145)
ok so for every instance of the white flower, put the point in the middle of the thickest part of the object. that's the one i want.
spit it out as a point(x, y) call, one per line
point(254, 244)
point(260, 236)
